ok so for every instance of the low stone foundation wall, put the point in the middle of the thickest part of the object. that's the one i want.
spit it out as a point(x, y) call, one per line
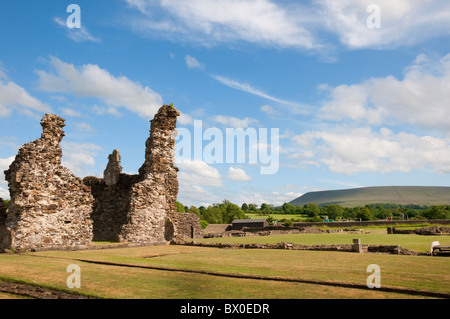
point(279, 230)
point(433, 230)
point(357, 247)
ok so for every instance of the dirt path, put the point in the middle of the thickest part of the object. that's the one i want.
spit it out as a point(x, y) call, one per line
point(36, 292)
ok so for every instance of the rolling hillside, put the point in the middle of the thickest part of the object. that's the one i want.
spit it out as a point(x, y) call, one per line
point(419, 195)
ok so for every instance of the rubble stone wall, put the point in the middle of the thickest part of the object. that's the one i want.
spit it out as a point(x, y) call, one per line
point(136, 208)
point(50, 206)
point(187, 225)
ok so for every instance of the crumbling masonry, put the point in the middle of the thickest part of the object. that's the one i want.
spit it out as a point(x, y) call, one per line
point(52, 208)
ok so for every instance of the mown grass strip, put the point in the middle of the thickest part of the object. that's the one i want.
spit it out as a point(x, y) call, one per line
point(406, 291)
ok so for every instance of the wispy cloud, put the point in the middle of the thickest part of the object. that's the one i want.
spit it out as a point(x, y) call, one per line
point(193, 63)
point(77, 34)
point(232, 121)
point(293, 107)
point(247, 88)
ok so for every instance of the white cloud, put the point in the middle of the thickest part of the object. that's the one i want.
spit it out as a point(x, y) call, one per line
point(262, 22)
point(267, 109)
point(84, 127)
point(353, 150)
point(420, 98)
point(403, 22)
point(4, 165)
point(235, 122)
point(184, 119)
point(91, 81)
point(258, 198)
point(247, 88)
point(66, 111)
point(198, 173)
point(77, 34)
point(79, 157)
point(193, 63)
point(102, 110)
point(238, 175)
point(15, 97)
point(291, 24)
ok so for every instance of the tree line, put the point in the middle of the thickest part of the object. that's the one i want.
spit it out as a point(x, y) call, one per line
point(226, 212)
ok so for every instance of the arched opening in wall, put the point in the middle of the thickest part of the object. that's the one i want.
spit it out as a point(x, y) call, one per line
point(192, 231)
point(169, 230)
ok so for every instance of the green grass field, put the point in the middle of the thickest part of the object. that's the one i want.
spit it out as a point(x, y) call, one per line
point(167, 277)
point(372, 236)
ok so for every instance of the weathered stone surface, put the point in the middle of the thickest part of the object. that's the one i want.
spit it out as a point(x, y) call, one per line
point(432, 230)
point(187, 225)
point(5, 237)
point(154, 196)
point(49, 206)
point(142, 208)
point(2, 210)
point(52, 208)
point(113, 169)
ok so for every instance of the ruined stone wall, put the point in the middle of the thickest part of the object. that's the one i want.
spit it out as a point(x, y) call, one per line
point(187, 225)
point(49, 205)
point(154, 196)
point(4, 235)
point(137, 208)
point(52, 208)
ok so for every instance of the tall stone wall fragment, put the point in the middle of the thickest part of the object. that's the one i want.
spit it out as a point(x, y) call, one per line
point(154, 196)
point(112, 196)
point(50, 207)
point(5, 234)
point(138, 208)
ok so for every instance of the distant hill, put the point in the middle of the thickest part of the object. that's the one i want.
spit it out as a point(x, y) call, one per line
point(418, 195)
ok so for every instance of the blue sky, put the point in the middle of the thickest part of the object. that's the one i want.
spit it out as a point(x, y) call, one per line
point(354, 105)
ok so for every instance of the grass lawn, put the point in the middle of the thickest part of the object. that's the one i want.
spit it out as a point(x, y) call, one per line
point(48, 268)
point(375, 236)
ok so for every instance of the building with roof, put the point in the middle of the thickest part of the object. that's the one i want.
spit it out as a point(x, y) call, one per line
point(238, 224)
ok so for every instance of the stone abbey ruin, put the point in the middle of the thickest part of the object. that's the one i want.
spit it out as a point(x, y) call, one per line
point(51, 208)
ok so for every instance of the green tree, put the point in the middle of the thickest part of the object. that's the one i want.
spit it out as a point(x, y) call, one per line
point(437, 212)
point(213, 215)
point(333, 211)
point(245, 207)
point(180, 207)
point(288, 208)
point(311, 209)
point(194, 210)
point(202, 210)
point(230, 212)
point(203, 224)
point(364, 213)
